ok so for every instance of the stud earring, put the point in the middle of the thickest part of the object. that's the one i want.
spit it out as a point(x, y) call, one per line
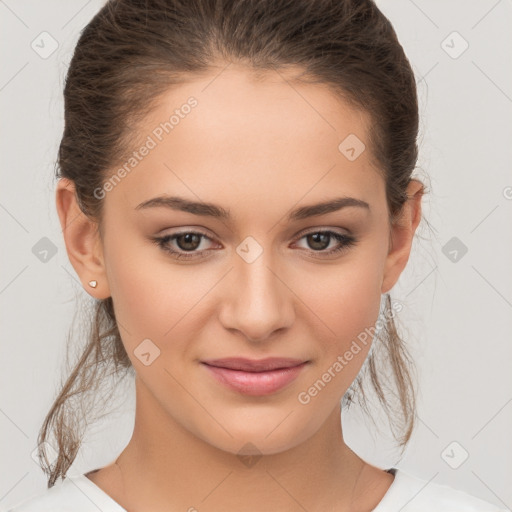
point(93, 284)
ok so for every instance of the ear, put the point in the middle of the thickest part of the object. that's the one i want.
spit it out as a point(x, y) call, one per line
point(83, 242)
point(401, 236)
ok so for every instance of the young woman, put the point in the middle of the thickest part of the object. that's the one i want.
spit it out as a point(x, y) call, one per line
point(235, 191)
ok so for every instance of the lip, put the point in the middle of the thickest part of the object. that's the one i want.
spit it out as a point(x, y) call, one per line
point(255, 377)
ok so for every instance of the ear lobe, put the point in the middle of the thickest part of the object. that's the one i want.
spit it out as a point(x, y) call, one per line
point(402, 235)
point(82, 239)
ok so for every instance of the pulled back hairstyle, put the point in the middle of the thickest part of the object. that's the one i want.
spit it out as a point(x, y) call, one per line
point(132, 51)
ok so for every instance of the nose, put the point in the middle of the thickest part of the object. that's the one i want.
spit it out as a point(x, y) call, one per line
point(256, 301)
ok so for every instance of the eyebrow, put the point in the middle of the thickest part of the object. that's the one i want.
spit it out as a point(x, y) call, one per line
point(213, 210)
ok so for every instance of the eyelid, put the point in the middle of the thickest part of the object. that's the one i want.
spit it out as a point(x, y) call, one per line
point(188, 230)
point(322, 229)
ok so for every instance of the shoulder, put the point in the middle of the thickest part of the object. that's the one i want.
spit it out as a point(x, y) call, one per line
point(409, 493)
point(76, 493)
point(54, 498)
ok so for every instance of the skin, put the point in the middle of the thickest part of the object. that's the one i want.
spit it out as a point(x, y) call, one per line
point(258, 148)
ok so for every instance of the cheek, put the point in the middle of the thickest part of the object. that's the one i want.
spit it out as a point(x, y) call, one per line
point(152, 297)
point(168, 304)
point(343, 305)
point(346, 296)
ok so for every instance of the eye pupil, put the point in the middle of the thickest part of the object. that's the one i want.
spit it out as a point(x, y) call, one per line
point(321, 238)
point(190, 238)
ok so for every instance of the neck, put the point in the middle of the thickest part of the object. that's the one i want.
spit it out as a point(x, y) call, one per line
point(166, 467)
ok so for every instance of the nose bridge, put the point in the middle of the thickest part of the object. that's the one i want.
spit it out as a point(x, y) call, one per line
point(258, 282)
point(259, 302)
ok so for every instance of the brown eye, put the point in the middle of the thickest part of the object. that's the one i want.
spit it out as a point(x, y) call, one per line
point(188, 241)
point(319, 241)
point(184, 242)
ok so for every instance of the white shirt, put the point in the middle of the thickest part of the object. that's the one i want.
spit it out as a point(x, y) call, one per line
point(407, 493)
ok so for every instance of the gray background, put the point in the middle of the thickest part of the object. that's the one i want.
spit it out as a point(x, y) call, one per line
point(457, 312)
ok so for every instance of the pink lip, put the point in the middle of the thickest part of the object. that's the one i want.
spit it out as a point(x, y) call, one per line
point(255, 377)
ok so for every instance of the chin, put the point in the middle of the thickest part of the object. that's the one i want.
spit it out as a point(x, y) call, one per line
point(269, 436)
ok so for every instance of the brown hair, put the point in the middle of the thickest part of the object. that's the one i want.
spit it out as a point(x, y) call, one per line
point(133, 50)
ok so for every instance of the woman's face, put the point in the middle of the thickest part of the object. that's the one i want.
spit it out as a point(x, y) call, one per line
point(260, 280)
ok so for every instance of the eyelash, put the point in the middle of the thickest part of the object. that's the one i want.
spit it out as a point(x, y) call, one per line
point(347, 241)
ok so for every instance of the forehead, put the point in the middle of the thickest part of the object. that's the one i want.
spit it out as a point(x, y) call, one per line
point(248, 107)
point(261, 135)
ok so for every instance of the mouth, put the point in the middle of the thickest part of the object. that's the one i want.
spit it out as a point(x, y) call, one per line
point(255, 377)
